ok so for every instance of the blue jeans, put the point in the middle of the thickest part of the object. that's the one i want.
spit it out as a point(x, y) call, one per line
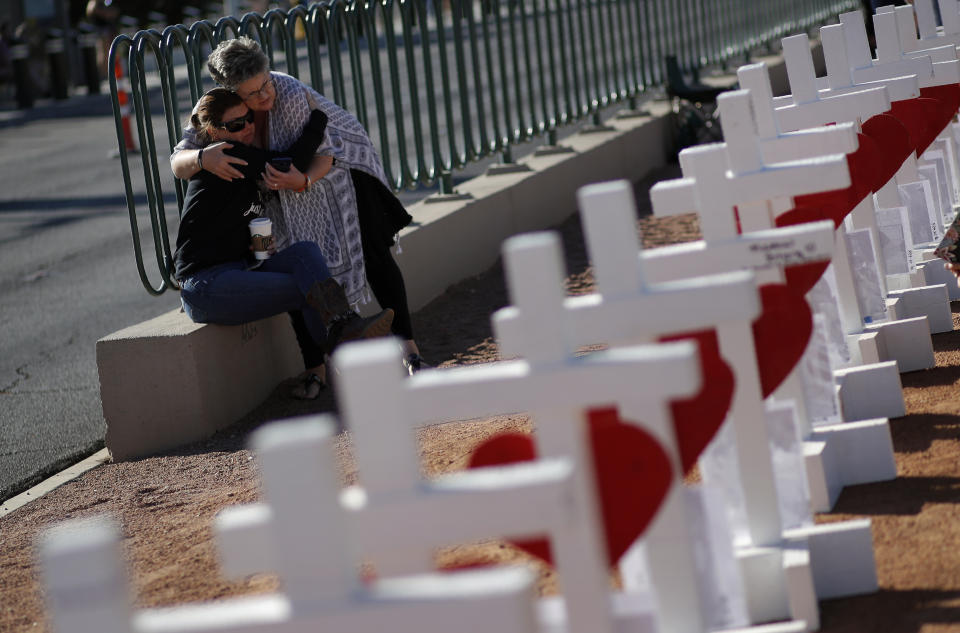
point(230, 294)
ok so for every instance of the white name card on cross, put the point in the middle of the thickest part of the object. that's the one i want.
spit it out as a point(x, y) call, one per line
point(87, 588)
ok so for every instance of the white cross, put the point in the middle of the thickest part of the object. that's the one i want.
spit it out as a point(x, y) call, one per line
point(891, 61)
point(625, 310)
point(949, 15)
point(88, 592)
point(926, 22)
point(811, 105)
point(712, 190)
point(848, 110)
point(400, 518)
point(550, 383)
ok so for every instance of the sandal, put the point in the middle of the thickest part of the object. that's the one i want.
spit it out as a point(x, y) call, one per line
point(309, 388)
point(414, 363)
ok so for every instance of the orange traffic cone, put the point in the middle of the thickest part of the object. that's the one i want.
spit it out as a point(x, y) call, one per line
point(123, 100)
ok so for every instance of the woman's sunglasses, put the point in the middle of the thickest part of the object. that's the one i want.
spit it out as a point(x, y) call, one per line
point(235, 125)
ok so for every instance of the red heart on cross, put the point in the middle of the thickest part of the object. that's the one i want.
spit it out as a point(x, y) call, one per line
point(948, 95)
point(632, 472)
point(864, 166)
point(893, 140)
point(696, 420)
point(948, 101)
point(780, 334)
point(921, 117)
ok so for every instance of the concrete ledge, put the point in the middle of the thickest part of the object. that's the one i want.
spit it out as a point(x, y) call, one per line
point(454, 240)
point(168, 381)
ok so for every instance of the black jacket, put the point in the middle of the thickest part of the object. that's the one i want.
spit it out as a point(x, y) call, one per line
point(213, 225)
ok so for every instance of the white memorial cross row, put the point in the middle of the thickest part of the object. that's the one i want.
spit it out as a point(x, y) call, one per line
point(896, 32)
point(712, 190)
point(846, 109)
point(893, 25)
point(744, 156)
point(87, 588)
point(399, 519)
point(890, 61)
point(809, 105)
point(625, 311)
point(920, 16)
point(845, 45)
point(854, 107)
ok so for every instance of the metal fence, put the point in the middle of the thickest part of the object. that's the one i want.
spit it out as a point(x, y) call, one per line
point(439, 84)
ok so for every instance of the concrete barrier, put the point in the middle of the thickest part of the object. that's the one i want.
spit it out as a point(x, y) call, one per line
point(168, 381)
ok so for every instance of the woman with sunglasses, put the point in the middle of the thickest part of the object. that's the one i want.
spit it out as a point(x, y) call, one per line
point(219, 280)
point(348, 208)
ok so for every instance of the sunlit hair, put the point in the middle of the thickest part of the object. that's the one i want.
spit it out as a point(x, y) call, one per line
point(209, 112)
point(233, 62)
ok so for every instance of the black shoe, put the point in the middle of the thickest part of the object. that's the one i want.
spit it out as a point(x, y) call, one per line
point(354, 327)
point(414, 363)
point(309, 387)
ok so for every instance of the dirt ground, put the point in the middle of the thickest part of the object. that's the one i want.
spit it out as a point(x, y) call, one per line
point(166, 504)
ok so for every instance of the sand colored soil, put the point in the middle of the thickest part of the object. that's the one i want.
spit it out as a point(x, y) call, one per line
point(165, 504)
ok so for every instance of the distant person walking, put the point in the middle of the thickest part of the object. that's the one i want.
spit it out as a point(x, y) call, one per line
point(6, 58)
point(104, 16)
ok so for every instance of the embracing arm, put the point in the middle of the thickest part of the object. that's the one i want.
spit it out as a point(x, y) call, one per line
point(304, 148)
point(185, 161)
point(308, 167)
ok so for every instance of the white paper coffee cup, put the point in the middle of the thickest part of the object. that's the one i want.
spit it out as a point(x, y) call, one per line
point(261, 235)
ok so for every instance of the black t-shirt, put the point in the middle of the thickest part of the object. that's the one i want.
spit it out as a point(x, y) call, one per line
point(213, 226)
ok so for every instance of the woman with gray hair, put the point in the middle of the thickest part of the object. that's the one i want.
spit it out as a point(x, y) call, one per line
point(342, 201)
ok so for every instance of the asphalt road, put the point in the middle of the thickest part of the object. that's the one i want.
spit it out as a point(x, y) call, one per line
point(67, 278)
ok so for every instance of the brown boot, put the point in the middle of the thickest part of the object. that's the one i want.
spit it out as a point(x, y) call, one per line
point(354, 326)
point(343, 324)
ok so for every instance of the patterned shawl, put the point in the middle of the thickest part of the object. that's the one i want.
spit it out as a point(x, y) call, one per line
point(327, 213)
